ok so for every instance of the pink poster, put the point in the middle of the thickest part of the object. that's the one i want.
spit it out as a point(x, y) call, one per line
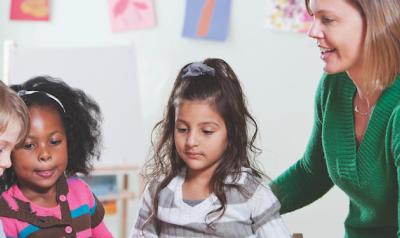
point(131, 14)
point(33, 10)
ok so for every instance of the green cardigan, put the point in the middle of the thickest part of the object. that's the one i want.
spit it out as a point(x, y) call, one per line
point(368, 175)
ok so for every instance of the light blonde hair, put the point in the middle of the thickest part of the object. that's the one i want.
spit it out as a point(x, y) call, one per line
point(13, 108)
point(381, 53)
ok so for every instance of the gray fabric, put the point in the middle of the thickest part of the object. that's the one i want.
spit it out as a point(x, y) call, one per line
point(192, 203)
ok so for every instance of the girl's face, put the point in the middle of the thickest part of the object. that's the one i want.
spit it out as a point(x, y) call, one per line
point(43, 156)
point(200, 136)
point(339, 29)
point(8, 139)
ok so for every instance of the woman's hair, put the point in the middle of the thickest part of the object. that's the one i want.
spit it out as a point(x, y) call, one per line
point(222, 89)
point(80, 115)
point(12, 108)
point(381, 53)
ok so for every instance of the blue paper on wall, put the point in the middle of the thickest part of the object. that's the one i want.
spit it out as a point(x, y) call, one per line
point(207, 19)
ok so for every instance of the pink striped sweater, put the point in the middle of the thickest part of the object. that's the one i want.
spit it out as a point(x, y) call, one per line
point(78, 213)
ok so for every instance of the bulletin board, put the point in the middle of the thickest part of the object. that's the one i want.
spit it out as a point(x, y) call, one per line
point(108, 75)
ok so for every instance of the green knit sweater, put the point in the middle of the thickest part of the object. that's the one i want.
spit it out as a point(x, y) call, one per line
point(368, 174)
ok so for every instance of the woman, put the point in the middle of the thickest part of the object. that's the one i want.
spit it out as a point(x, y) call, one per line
point(355, 143)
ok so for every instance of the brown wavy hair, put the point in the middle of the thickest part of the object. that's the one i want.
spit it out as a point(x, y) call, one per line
point(224, 91)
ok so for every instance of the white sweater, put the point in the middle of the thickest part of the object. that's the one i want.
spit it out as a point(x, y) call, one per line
point(254, 213)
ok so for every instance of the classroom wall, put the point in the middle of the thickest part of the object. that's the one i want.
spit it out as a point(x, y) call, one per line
point(279, 72)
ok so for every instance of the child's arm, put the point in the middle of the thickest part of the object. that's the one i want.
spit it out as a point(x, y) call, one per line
point(2, 235)
point(265, 215)
point(99, 229)
point(149, 229)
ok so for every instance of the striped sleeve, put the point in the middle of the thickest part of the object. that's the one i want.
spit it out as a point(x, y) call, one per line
point(267, 222)
point(2, 235)
point(98, 228)
point(143, 228)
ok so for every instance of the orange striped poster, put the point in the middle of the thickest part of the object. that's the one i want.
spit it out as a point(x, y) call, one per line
point(207, 19)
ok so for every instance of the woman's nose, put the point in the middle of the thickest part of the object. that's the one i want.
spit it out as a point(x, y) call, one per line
point(315, 31)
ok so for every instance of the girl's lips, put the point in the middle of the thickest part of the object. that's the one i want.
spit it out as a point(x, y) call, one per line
point(45, 173)
point(191, 155)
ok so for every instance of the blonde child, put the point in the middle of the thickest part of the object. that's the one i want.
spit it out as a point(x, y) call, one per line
point(201, 180)
point(43, 197)
point(14, 122)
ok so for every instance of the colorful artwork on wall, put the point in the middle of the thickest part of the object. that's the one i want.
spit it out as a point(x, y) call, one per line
point(207, 19)
point(31, 10)
point(131, 14)
point(288, 15)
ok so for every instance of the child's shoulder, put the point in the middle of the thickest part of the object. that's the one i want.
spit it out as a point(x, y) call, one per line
point(153, 184)
point(254, 188)
point(78, 187)
point(76, 182)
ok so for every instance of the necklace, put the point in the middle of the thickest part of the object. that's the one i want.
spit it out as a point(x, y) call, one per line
point(357, 110)
point(367, 113)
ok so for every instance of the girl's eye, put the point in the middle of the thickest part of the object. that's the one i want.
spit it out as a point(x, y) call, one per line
point(1, 150)
point(55, 142)
point(208, 132)
point(28, 146)
point(181, 129)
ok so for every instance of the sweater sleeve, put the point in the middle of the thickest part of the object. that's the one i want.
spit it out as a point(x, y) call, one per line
point(99, 229)
point(144, 228)
point(2, 235)
point(308, 179)
point(395, 143)
point(265, 215)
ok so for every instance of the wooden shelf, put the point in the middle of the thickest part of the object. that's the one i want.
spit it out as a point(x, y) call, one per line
point(117, 196)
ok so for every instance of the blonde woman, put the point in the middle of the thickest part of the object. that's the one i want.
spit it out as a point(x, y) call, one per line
point(355, 143)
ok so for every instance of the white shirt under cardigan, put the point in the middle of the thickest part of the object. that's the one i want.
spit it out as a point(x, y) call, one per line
point(254, 213)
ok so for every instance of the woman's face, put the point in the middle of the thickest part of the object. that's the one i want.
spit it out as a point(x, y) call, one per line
point(339, 29)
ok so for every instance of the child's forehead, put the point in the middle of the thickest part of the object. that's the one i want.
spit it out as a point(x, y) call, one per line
point(197, 110)
point(208, 102)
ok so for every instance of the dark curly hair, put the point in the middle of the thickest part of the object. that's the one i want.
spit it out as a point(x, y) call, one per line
point(81, 118)
point(224, 91)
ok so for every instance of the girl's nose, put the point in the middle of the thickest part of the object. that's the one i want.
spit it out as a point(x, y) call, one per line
point(192, 139)
point(44, 155)
point(315, 31)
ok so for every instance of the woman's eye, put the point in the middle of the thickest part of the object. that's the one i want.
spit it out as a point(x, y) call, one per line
point(326, 20)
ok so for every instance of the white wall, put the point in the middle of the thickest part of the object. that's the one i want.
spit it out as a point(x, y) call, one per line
point(279, 72)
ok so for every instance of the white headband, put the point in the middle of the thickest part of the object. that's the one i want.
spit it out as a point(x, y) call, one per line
point(25, 92)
